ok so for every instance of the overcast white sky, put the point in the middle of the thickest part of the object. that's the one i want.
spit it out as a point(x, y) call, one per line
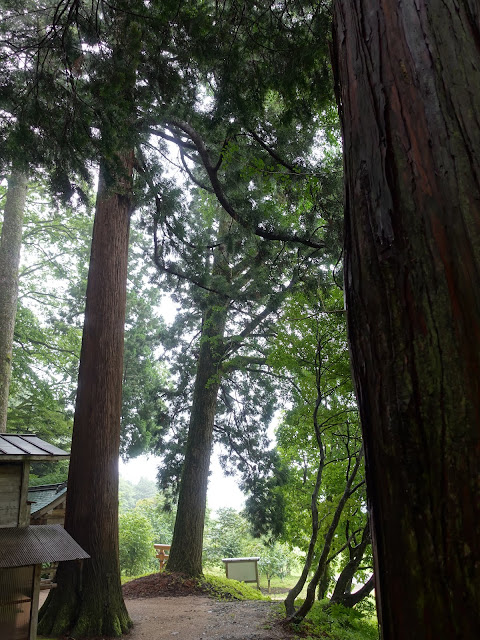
point(222, 491)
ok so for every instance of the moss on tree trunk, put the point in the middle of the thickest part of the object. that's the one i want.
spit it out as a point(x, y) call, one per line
point(86, 605)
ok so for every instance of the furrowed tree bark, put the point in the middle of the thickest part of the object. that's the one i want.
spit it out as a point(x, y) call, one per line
point(408, 79)
point(10, 245)
point(90, 603)
point(187, 542)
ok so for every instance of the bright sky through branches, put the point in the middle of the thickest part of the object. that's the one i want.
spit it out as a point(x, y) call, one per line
point(222, 491)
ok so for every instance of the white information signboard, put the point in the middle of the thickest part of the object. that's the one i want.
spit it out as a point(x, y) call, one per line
point(242, 569)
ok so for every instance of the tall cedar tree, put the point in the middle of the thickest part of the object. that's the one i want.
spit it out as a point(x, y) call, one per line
point(187, 542)
point(232, 324)
point(89, 602)
point(239, 283)
point(235, 151)
point(10, 244)
point(409, 98)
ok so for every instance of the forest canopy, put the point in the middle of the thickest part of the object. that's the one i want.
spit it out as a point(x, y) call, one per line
point(272, 224)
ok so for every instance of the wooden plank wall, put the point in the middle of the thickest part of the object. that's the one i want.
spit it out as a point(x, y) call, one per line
point(10, 491)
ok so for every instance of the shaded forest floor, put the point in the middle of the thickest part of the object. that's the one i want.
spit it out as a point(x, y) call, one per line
point(170, 606)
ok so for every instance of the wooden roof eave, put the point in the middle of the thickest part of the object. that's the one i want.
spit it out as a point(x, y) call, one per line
point(34, 457)
point(50, 506)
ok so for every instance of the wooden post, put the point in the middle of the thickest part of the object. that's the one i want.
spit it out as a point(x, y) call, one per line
point(24, 506)
point(34, 607)
point(162, 554)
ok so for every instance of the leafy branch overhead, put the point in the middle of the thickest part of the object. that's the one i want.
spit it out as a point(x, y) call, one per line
point(212, 172)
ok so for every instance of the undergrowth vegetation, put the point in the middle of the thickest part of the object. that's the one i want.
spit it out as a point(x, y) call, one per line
point(337, 622)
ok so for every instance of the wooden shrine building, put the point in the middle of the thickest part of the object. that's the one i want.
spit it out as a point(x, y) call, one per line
point(23, 548)
point(47, 503)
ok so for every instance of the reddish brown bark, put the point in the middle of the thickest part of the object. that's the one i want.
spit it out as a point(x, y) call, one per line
point(92, 604)
point(409, 95)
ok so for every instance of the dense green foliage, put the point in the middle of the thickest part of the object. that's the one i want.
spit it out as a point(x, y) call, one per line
point(226, 536)
point(129, 494)
point(319, 439)
point(136, 539)
point(275, 561)
point(144, 521)
point(52, 282)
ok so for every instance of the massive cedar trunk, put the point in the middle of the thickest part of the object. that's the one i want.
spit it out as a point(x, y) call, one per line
point(409, 95)
point(186, 550)
point(90, 603)
point(10, 244)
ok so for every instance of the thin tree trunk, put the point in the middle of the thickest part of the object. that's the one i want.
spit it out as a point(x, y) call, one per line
point(302, 611)
point(186, 550)
point(351, 599)
point(10, 244)
point(409, 96)
point(91, 604)
point(343, 587)
point(294, 592)
point(297, 588)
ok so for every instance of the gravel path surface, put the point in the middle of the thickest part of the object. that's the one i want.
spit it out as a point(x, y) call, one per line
point(162, 607)
point(200, 618)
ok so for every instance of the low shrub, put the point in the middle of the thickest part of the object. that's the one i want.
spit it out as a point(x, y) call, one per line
point(337, 622)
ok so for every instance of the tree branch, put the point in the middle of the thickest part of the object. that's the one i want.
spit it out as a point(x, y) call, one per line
point(267, 234)
point(272, 152)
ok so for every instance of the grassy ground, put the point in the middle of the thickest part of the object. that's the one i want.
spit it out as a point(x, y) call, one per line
point(335, 622)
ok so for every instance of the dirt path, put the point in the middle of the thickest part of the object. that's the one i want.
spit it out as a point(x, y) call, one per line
point(201, 618)
point(197, 617)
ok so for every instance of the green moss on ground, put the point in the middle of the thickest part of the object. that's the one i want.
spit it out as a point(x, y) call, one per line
point(225, 589)
point(178, 584)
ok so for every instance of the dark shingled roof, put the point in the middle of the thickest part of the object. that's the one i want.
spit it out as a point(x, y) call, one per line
point(22, 546)
point(44, 495)
point(19, 446)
